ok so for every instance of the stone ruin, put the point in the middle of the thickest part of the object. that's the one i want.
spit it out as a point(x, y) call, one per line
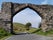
point(9, 10)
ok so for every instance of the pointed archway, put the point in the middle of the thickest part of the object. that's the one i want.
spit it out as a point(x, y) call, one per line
point(10, 9)
point(25, 16)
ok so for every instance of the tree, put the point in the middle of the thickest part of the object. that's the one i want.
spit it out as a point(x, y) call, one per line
point(27, 26)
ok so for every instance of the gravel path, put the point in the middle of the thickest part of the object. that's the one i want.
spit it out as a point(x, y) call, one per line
point(28, 37)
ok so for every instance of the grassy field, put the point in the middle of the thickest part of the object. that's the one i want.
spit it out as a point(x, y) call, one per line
point(21, 28)
point(3, 33)
point(18, 27)
point(48, 33)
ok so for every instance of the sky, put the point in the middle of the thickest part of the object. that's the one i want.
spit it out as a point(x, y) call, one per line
point(50, 2)
point(32, 17)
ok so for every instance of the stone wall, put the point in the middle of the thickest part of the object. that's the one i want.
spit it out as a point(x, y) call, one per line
point(10, 9)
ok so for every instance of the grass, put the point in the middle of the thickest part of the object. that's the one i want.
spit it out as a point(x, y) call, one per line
point(3, 33)
point(48, 33)
point(18, 27)
point(5, 37)
point(21, 28)
point(32, 30)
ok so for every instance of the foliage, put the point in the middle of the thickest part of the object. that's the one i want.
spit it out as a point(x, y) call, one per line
point(3, 33)
point(21, 28)
point(27, 26)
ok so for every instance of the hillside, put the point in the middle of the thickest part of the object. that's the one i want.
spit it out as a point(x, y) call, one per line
point(18, 27)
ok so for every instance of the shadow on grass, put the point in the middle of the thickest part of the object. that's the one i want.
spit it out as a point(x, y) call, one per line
point(22, 33)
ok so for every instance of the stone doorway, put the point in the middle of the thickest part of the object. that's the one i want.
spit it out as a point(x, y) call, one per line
point(9, 9)
point(32, 16)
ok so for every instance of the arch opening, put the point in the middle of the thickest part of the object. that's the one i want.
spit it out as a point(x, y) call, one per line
point(25, 16)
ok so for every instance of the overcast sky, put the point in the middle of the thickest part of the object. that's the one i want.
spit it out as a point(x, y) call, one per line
point(28, 15)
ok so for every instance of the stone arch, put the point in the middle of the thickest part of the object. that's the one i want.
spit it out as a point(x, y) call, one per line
point(25, 8)
point(17, 11)
point(9, 9)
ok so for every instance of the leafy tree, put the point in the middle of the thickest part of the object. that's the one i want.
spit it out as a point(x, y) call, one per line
point(27, 26)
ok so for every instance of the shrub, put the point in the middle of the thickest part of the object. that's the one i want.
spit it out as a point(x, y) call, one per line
point(27, 26)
